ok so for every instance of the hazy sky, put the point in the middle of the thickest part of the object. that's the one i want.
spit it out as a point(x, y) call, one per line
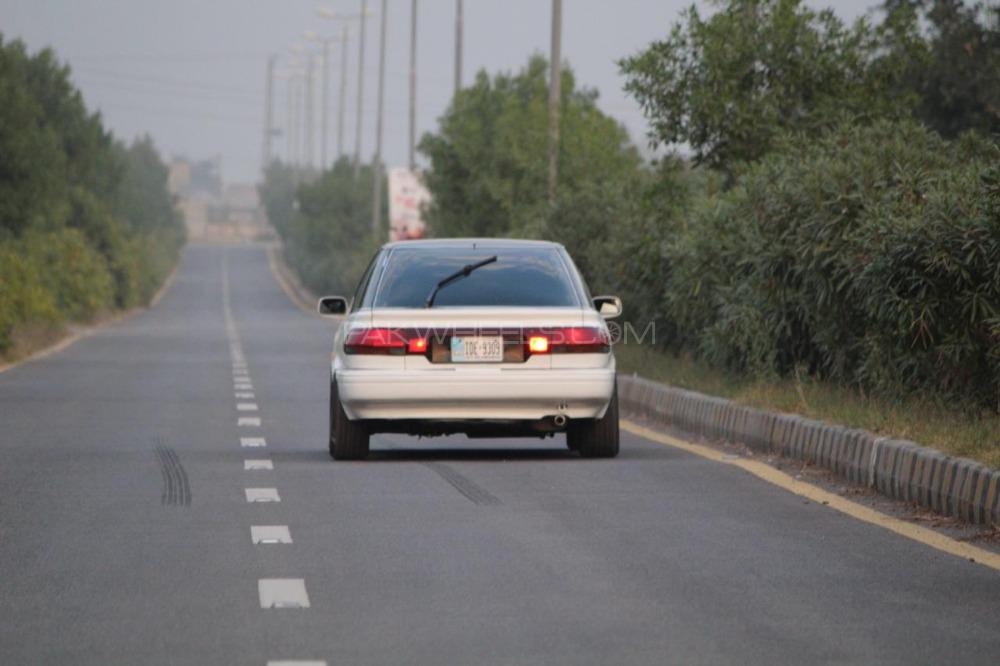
point(191, 72)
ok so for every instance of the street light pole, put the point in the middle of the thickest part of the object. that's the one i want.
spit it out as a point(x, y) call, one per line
point(342, 96)
point(268, 112)
point(296, 91)
point(377, 161)
point(361, 87)
point(324, 104)
point(334, 16)
point(290, 119)
point(413, 83)
point(555, 89)
point(458, 45)
point(310, 119)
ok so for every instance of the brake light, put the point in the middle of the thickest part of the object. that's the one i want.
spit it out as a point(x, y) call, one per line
point(538, 344)
point(416, 346)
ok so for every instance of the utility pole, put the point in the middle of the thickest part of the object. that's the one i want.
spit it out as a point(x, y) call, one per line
point(268, 112)
point(289, 115)
point(324, 105)
point(413, 83)
point(342, 96)
point(334, 16)
point(458, 45)
point(293, 120)
point(377, 162)
point(555, 90)
point(361, 87)
point(310, 133)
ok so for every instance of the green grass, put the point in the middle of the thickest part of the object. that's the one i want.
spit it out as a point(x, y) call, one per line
point(959, 432)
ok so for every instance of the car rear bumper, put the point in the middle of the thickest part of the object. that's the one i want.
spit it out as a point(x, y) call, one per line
point(577, 393)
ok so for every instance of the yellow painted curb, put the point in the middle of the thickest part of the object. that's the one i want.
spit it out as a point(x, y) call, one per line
point(778, 478)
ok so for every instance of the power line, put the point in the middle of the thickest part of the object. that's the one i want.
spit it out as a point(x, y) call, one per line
point(170, 57)
point(144, 79)
point(131, 88)
point(184, 114)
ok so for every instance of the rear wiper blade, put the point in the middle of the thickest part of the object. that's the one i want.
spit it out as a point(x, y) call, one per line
point(457, 275)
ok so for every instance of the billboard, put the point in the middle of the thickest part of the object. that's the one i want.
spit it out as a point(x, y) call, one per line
point(407, 195)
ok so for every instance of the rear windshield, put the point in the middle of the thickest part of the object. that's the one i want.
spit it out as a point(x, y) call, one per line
point(520, 276)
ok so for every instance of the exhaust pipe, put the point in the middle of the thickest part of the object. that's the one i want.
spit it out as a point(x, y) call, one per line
point(559, 420)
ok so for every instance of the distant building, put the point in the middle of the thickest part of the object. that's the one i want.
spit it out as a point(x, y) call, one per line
point(179, 177)
point(212, 209)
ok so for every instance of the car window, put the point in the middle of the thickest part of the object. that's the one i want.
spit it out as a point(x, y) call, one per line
point(356, 302)
point(520, 277)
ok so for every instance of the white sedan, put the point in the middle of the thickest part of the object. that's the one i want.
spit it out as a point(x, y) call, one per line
point(485, 337)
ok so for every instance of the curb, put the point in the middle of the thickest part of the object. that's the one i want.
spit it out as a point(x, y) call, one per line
point(900, 469)
point(298, 294)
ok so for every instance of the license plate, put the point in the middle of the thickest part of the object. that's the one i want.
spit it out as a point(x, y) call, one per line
point(479, 349)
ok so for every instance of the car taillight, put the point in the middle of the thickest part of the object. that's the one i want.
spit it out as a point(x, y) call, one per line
point(569, 340)
point(375, 341)
point(392, 341)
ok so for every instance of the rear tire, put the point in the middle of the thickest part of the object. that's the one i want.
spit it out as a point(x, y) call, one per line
point(596, 438)
point(348, 439)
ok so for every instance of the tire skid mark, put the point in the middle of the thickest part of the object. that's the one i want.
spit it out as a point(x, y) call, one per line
point(176, 486)
point(462, 484)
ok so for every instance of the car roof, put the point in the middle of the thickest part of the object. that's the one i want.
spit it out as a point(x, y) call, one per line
point(445, 243)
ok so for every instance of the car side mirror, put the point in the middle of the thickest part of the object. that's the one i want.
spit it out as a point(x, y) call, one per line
point(332, 306)
point(608, 307)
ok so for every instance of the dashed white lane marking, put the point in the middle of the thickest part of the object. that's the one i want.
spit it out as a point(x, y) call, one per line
point(244, 395)
point(248, 421)
point(242, 386)
point(270, 534)
point(257, 464)
point(282, 593)
point(252, 442)
point(295, 662)
point(262, 494)
point(246, 406)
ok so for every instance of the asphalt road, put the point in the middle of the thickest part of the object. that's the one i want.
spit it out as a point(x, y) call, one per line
point(125, 530)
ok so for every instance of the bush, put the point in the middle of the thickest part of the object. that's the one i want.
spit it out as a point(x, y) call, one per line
point(23, 296)
point(868, 256)
point(74, 274)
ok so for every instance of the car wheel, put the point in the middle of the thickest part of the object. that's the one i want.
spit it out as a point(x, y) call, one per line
point(596, 438)
point(348, 439)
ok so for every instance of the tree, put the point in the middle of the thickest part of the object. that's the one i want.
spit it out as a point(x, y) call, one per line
point(489, 167)
point(953, 65)
point(729, 84)
point(90, 221)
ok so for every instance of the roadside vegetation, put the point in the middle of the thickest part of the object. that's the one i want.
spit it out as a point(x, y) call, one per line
point(831, 244)
point(324, 222)
point(87, 226)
